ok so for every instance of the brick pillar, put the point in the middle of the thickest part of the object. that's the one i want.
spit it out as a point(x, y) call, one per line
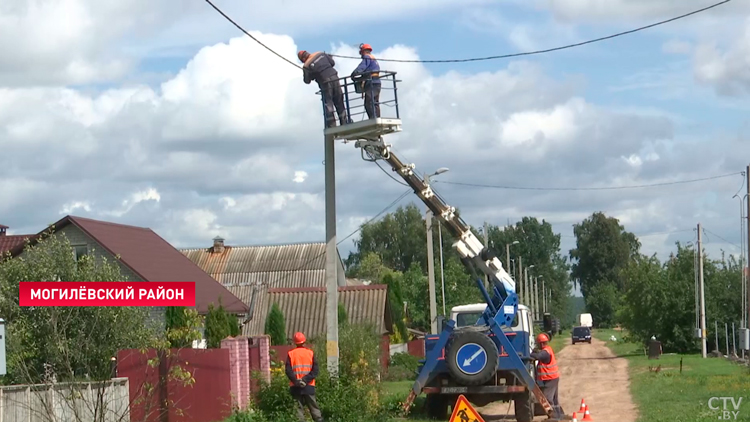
point(238, 363)
point(264, 343)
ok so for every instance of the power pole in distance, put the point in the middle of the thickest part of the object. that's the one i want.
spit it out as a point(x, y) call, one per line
point(331, 276)
point(431, 259)
point(702, 294)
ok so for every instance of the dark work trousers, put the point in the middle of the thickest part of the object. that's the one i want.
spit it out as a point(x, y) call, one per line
point(549, 388)
point(333, 98)
point(372, 100)
point(309, 401)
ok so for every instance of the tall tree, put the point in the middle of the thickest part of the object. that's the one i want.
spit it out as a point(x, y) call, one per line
point(603, 251)
point(71, 342)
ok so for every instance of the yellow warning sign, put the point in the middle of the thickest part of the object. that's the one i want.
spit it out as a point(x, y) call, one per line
point(463, 412)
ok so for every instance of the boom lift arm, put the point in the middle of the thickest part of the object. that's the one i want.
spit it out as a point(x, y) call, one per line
point(501, 306)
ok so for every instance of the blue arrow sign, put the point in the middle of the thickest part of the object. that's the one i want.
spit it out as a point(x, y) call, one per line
point(471, 358)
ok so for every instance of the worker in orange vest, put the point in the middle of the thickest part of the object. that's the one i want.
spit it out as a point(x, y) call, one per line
point(547, 371)
point(301, 369)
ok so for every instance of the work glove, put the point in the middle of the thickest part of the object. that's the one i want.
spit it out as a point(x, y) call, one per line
point(302, 384)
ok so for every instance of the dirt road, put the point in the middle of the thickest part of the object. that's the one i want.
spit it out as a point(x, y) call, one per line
point(590, 372)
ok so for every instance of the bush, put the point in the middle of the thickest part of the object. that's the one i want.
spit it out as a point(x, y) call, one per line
point(276, 326)
point(355, 396)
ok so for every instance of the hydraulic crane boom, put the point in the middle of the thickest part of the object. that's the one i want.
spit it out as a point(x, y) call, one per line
point(501, 308)
point(468, 246)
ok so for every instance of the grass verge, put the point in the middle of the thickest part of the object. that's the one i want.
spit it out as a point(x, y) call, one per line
point(681, 389)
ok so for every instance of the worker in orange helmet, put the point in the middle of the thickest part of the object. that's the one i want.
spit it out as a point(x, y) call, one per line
point(301, 369)
point(547, 372)
point(319, 67)
point(367, 80)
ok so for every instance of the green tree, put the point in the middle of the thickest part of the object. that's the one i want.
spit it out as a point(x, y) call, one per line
point(218, 325)
point(603, 251)
point(276, 326)
point(72, 342)
point(68, 344)
point(234, 325)
point(539, 246)
point(399, 238)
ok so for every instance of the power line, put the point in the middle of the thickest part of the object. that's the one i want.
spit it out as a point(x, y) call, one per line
point(504, 56)
point(361, 226)
point(529, 53)
point(677, 182)
point(725, 241)
point(252, 37)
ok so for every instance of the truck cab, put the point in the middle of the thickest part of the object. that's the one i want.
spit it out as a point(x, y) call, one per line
point(470, 315)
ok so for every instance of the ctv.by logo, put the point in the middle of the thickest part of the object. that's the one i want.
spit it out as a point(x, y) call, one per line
point(726, 412)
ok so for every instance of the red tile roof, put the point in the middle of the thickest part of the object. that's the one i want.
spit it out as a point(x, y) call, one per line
point(153, 259)
point(8, 242)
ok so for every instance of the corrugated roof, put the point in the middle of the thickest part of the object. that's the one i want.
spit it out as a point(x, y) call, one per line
point(10, 242)
point(304, 309)
point(153, 259)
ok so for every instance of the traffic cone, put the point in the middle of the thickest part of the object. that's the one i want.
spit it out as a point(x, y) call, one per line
point(587, 416)
point(583, 407)
point(575, 417)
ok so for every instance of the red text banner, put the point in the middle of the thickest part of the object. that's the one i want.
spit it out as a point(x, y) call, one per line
point(173, 293)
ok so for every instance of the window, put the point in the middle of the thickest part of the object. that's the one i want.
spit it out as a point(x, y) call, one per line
point(465, 319)
point(79, 251)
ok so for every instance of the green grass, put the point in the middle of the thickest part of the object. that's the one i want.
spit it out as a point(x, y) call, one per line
point(672, 395)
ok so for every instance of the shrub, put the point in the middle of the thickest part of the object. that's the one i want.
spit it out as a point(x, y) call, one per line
point(353, 396)
point(276, 326)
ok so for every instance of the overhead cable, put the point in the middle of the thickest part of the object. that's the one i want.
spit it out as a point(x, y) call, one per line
point(503, 56)
point(548, 50)
point(677, 182)
point(313, 258)
point(252, 37)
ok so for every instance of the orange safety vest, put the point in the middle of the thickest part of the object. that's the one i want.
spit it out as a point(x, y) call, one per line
point(301, 360)
point(549, 371)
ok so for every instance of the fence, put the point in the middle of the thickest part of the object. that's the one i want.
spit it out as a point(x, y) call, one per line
point(106, 401)
point(208, 399)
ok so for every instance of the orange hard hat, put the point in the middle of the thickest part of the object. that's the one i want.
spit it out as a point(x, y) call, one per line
point(542, 338)
point(299, 338)
point(301, 55)
point(363, 47)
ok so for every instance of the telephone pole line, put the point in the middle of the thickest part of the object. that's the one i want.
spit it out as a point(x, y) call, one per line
point(702, 294)
point(746, 299)
point(431, 275)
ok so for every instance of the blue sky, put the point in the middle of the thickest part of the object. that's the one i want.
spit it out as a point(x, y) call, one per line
point(188, 127)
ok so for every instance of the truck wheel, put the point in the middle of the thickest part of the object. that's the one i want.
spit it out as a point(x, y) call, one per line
point(437, 406)
point(471, 358)
point(524, 407)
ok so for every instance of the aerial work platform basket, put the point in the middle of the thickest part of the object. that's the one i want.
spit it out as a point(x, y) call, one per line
point(358, 125)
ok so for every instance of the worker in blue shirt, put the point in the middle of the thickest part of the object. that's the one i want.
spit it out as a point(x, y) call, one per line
point(367, 79)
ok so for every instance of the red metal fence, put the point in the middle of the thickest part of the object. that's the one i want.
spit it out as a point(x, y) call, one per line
point(208, 399)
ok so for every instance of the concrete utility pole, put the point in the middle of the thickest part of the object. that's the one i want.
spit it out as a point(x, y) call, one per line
point(544, 299)
point(442, 265)
point(507, 256)
point(431, 275)
point(527, 289)
point(332, 291)
point(519, 288)
point(702, 297)
point(746, 300)
point(431, 259)
point(536, 298)
point(486, 245)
